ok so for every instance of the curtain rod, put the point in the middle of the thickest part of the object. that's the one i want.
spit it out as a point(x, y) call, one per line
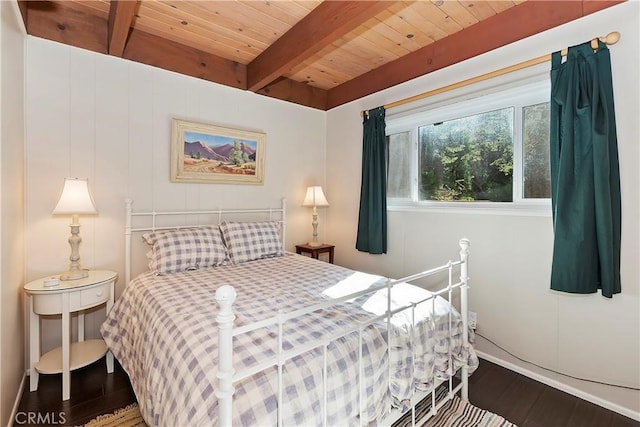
point(610, 39)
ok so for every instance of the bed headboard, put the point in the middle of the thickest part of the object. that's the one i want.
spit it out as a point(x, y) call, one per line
point(142, 222)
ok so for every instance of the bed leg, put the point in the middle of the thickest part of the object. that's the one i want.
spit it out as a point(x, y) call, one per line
point(464, 392)
point(225, 297)
point(464, 309)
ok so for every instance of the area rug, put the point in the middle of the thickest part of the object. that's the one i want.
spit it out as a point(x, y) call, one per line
point(454, 413)
point(129, 416)
point(457, 412)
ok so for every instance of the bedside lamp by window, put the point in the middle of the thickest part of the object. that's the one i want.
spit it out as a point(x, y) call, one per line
point(315, 197)
point(75, 200)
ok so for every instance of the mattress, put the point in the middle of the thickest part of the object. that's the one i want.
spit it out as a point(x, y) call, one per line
point(163, 332)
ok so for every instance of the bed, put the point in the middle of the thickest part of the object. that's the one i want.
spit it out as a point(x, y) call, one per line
point(249, 334)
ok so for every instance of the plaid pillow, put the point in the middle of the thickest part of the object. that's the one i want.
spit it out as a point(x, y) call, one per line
point(247, 241)
point(185, 249)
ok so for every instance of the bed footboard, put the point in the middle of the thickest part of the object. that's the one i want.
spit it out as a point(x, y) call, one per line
point(226, 295)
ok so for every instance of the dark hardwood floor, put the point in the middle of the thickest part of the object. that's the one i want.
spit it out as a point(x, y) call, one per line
point(519, 399)
point(528, 403)
point(93, 392)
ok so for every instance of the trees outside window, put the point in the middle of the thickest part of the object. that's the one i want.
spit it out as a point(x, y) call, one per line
point(470, 158)
point(493, 148)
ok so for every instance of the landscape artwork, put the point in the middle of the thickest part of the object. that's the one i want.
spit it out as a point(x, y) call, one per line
point(216, 154)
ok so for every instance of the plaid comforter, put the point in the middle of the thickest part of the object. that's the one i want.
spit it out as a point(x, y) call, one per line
point(163, 330)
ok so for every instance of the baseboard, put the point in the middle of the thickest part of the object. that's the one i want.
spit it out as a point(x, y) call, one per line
point(16, 404)
point(561, 386)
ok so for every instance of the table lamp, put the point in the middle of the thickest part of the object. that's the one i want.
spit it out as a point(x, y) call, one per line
point(75, 200)
point(315, 197)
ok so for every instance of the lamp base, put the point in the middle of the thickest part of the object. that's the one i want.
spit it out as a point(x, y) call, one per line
point(315, 244)
point(74, 274)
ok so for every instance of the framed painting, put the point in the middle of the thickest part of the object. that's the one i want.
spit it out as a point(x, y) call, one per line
point(215, 154)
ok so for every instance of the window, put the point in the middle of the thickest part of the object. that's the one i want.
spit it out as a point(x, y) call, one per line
point(470, 158)
point(492, 150)
point(535, 147)
point(399, 165)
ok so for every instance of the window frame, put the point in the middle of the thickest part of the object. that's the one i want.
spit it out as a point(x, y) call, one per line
point(462, 106)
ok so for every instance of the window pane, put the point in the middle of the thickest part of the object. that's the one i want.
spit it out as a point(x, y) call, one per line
point(535, 130)
point(469, 158)
point(399, 166)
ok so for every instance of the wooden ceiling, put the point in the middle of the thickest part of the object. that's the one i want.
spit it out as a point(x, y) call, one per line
point(312, 52)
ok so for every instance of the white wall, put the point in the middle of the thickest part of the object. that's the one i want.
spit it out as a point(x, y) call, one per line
point(108, 119)
point(12, 48)
point(587, 336)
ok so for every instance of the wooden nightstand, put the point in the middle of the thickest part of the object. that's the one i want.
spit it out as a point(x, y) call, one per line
point(67, 297)
point(315, 251)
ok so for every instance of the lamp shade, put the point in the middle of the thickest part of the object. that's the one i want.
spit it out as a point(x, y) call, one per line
point(315, 197)
point(75, 198)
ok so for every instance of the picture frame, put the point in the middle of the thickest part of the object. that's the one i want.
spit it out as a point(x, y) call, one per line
point(205, 153)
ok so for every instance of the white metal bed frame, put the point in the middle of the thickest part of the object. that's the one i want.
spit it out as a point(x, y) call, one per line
point(226, 295)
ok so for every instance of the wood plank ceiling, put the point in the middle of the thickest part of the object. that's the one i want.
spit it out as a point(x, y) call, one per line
point(312, 52)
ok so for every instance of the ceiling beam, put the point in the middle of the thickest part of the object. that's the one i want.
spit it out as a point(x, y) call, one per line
point(524, 20)
point(162, 53)
point(158, 52)
point(298, 93)
point(22, 6)
point(326, 23)
point(54, 21)
point(121, 13)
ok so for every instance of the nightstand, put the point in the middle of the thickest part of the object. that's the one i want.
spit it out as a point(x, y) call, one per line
point(315, 251)
point(68, 296)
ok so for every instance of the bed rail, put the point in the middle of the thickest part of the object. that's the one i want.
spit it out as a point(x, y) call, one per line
point(227, 376)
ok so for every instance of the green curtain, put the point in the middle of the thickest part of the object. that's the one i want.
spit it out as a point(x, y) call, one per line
point(372, 219)
point(585, 177)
